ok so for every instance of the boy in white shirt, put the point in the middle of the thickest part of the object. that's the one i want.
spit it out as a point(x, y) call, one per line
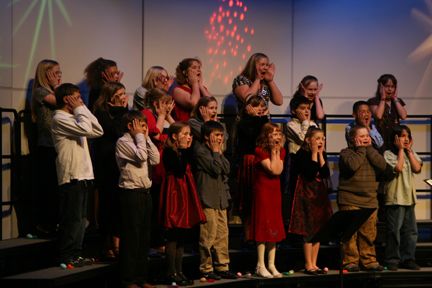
point(72, 124)
point(135, 153)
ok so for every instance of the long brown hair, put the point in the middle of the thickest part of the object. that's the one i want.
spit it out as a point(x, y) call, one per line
point(153, 95)
point(202, 102)
point(174, 129)
point(249, 71)
point(263, 138)
point(181, 70)
point(312, 130)
point(93, 72)
point(107, 92)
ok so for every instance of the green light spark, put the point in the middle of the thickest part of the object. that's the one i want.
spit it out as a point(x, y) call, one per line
point(13, 3)
point(35, 39)
point(63, 12)
point(44, 5)
point(51, 29)
point(25, 16)
point(3, 65)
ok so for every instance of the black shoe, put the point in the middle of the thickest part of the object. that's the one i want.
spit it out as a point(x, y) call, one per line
point(183, 280)
point(392, 266)
point(210, 275)
point(226, 274)
point(311, 272)
point(352, 267)
point(409, 264)
point(171, 279)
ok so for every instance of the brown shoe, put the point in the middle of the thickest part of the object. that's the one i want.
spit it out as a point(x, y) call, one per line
point(375, 267)
point(352, 267)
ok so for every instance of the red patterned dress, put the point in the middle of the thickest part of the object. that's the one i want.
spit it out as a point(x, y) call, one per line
point(311, 206)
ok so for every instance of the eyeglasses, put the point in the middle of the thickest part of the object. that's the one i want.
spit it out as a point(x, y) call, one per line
point(163, 78)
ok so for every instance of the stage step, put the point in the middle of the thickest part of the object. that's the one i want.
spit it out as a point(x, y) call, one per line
point(22, 255)
point(96, 275)
point(19, 256)
point(386, 279)
point(288, 258)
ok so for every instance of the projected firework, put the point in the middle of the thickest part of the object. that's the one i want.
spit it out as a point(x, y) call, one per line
point(424, 50)
point(46, 12)
point(228, 37)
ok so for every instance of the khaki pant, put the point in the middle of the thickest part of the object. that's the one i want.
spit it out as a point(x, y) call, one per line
point(214, 233)
point(360, 249)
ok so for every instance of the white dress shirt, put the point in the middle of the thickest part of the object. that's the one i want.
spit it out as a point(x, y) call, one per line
point(134, 155)
point(70, 133)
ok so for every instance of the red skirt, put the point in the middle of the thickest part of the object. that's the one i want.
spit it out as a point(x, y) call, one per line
point(180, 206)
point(311, 207)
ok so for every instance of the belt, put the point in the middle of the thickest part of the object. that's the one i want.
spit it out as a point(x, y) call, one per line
point(138, 190)
point(85, 183)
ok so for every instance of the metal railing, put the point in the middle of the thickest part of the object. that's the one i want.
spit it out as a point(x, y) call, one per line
point(15, 145)
point(12, 156)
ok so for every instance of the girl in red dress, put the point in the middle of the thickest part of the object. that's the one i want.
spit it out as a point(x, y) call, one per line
point(187, 88)
point(157, 106)
point(266, 220)
point(180, 206)
point(311, 206)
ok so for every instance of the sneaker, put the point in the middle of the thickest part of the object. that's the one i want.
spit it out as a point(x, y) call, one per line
point(352, 267)
point(409, 264)
point(392, 266)
point(210, 275)
point(226, 274)
point(375, 267)
point(171, 279)
point(81, 261)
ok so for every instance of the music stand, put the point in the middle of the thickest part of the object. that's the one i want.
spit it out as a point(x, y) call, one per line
point(428, 181)
point(340, 228)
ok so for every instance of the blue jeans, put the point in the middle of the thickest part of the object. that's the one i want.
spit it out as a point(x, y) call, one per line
point(401, 233)
point(73, 218)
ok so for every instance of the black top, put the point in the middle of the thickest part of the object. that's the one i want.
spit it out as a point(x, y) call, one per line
point(176, 163)
point(248, 130)
point(106, 169)
point(303, 165)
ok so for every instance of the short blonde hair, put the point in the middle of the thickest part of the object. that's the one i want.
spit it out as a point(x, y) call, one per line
point(152, 73)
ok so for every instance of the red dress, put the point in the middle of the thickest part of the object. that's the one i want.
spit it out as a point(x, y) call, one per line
point(266, 218)
point(158, 171)
point(180, 113)
point(180, 206)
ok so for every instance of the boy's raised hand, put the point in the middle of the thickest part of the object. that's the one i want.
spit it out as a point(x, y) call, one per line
point(73, 101)
point(358, 142)
point(214, 144)
point(137, 126)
